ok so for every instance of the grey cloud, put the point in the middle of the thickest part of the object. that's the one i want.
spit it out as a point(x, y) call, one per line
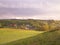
point(54, 1)
point(47, 7)
point(19, 3)
point(20, 11)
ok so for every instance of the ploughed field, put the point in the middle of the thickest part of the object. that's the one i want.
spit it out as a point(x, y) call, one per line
point(28, 37)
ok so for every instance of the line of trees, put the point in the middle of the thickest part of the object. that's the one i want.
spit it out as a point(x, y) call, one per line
point(41, 25)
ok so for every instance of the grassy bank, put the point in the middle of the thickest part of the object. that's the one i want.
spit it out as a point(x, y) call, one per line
point(8, 35)
point(47, 38)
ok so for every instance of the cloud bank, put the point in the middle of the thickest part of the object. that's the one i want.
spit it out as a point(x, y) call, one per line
point(35, 9)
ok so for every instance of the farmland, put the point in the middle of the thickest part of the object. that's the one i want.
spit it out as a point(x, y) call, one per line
point(29, 32)
point(28, 37)
point(8, 35)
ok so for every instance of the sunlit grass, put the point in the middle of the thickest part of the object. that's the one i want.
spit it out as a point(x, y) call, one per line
point(47, 38)
point(8, 35)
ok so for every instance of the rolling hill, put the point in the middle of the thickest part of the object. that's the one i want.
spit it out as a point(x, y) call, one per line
point(47, 38)
point(9, 35)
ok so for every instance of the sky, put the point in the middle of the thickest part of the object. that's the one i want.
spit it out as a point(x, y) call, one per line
point(30, 9)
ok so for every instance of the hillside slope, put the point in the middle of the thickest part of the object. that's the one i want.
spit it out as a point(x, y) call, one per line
point(8, 35)
point(47, 38)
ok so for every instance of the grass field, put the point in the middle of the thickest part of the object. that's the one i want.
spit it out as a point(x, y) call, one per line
point(8, 35)
point(19, 37)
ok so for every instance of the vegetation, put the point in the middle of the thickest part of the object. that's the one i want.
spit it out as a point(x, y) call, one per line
point(30, 24)
point(29, 32)
point(8, 35)
point(47, 38)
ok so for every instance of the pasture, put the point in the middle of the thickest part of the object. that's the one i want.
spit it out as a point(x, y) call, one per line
point(29, 37)
point(8, 35)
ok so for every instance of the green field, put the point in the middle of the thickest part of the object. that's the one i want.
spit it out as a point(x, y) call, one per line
point(8, 35)
point(27, 37)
